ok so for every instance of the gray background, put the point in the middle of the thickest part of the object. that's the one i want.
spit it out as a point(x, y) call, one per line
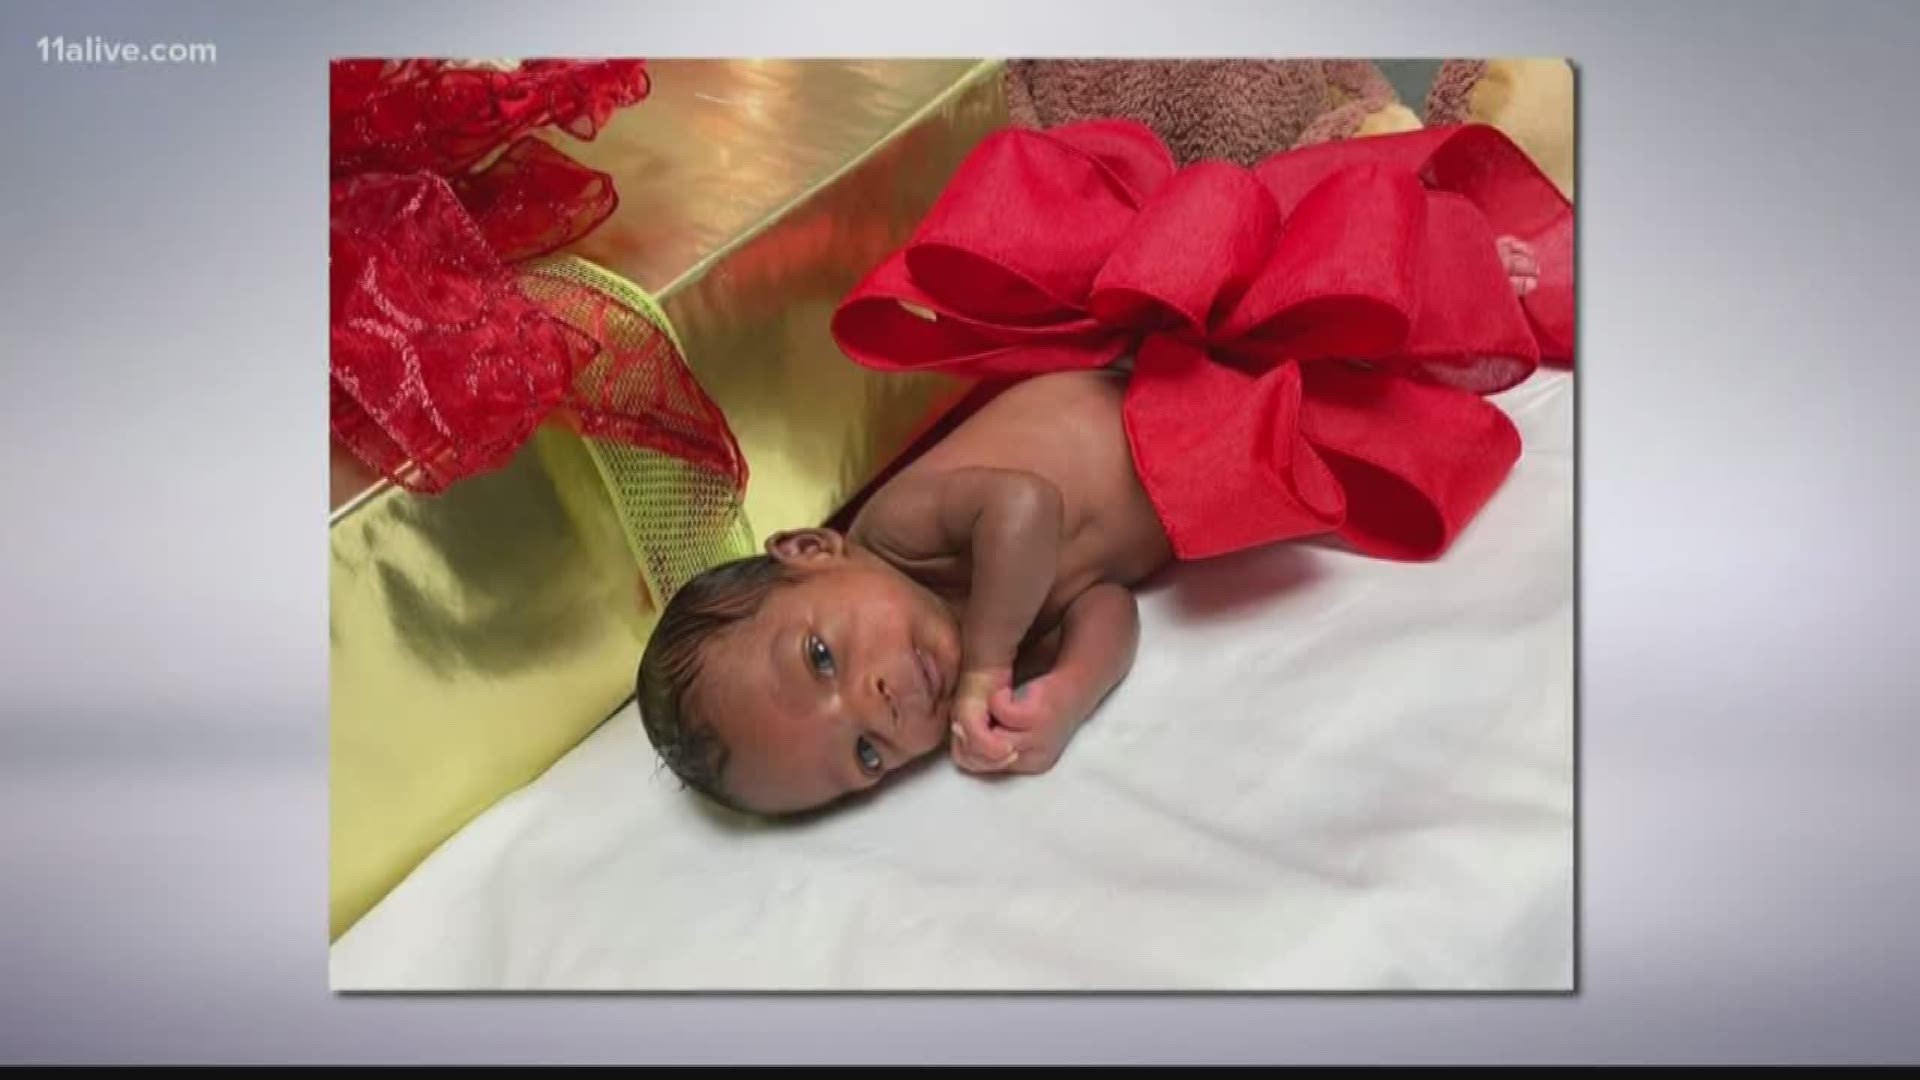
point(1748, 723)
point(1411, 79)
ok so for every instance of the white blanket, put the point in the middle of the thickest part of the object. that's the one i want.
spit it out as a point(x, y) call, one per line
point(1325, 772)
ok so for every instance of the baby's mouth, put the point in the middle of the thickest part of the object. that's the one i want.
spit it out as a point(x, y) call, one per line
point(930, 672)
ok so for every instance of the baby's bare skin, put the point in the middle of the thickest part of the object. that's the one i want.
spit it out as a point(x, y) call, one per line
point(1066, 588)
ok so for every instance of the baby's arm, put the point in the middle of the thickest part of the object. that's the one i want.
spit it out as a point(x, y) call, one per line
point(1012, 522)
point(1100, 635)
point(1007, 525)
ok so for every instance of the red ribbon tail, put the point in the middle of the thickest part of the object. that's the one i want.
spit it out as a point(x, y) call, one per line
point(1417, 462)
point(1221, 455)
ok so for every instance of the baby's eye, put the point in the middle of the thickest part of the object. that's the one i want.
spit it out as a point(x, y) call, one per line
point(819, 655)
point(869, 758)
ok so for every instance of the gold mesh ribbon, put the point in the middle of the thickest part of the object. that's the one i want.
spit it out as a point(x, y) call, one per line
point(682, 512)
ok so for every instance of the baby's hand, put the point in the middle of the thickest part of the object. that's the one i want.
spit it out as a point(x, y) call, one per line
point(1037, 719)
point(978, 744)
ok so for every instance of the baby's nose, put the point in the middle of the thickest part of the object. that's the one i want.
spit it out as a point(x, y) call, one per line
point(887, 702)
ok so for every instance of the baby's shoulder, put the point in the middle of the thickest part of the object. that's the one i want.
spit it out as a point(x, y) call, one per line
point(1100, 388)
point(1065, 429)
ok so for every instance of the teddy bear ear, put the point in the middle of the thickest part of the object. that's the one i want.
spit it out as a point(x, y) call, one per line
point(1361, 102)
point(1530, 100)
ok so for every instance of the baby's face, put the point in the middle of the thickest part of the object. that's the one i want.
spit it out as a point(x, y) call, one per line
point(840, 679)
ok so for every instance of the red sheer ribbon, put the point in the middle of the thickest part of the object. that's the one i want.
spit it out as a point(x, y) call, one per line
point(442, 365)
point(1311, 338)
point(406, 116)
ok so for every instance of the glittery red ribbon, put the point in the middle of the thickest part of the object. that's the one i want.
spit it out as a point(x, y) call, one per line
point(442, 366)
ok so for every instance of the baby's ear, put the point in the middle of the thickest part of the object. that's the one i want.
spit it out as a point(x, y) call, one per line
point(806, 547)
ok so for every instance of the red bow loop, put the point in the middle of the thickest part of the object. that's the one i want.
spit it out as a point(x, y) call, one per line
point(996, 279)
point(1340, 282)
point(1021, 232)
point(1188, 254)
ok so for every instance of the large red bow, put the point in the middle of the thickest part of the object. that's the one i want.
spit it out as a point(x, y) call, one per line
point(1311, 338)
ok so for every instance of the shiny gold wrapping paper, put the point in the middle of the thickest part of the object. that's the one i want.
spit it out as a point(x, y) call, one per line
point(479, 635)
point(851, 154)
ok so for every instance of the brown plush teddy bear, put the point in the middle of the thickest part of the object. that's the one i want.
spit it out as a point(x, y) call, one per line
point(1244, 110)
point(1235, 110)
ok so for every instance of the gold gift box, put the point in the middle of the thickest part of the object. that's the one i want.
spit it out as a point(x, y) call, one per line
point(479, 635)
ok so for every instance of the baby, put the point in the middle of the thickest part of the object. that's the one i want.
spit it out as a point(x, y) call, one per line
point(983, 593)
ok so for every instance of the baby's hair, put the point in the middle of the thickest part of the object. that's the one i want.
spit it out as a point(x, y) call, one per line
point(702, 610)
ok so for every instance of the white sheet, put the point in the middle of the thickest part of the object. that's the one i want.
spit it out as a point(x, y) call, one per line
point(1325, 772)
